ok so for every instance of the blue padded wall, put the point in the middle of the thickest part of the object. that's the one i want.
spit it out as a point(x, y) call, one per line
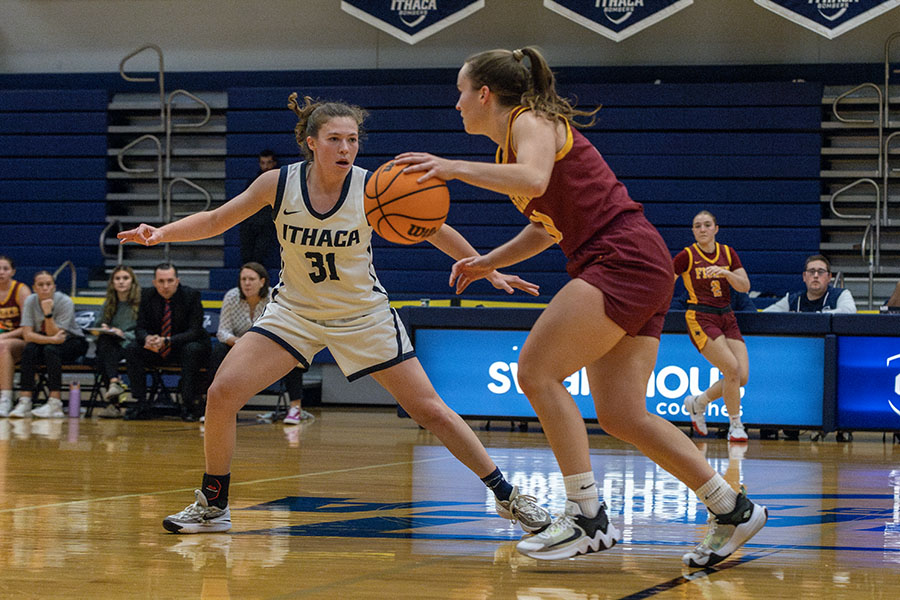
point(748, 152)
point(52, 179)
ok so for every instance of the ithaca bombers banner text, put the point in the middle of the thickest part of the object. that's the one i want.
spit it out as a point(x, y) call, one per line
point(411, 20)
point(616, 19)
point(830, 18)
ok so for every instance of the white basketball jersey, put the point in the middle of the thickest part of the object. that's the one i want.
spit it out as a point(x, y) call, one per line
point(326, 259)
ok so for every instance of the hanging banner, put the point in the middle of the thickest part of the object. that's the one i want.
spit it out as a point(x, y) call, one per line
point(829, 18)
point(411, 20)
point(616, 19)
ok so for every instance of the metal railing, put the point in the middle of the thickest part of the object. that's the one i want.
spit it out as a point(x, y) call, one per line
point(71, 266)
point(170, 126)
point(887, 75)
point(871, 242)
point(161, 78)
point(119, 249)
point(159, 164)
point(163, 149)
point(879, 123)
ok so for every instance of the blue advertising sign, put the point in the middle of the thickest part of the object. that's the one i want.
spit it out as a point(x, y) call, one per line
point(474, 371)
point(829, 18)
point(868, 383)
point(616, 19)
point(411, 20)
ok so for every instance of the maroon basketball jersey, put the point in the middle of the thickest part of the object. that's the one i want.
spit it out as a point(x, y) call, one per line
point(10, 315)
point(691, 264)
point(583, 195)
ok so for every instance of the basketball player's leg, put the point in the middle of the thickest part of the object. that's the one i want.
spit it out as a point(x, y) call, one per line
point(233, 385)
point(572, 331)
point(719, 354)
point(618, 384)
point(10, 352)
point(730, 357)
point(411, 388)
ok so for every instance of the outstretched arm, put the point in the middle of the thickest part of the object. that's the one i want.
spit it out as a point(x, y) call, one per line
point(534, 139)
point(532, 240)
point(211, 223)
point(453, 244)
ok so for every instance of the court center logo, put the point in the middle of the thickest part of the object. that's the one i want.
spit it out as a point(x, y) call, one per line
point(411, 20)
point(896, 384)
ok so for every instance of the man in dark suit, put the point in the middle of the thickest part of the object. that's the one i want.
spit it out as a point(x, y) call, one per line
point(169, 332)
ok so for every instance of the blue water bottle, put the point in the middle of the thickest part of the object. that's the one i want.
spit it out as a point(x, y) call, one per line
point(75, 400)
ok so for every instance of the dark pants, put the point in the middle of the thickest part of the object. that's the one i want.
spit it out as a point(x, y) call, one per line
point(258, 239)
point(293, 381)
point(191, 357)
point(110, 352)
point(52, 356)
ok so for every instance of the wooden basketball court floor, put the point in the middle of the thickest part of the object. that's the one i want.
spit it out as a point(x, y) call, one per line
point(362, 504)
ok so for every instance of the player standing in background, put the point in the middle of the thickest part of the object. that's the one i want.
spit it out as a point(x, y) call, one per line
point(709, 270)
point(608, 318)
point(328, 296)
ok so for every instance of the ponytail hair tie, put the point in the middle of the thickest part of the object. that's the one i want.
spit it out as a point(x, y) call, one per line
point(518, 55)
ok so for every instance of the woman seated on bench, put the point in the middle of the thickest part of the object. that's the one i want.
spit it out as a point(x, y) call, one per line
point(115, 329)
point(12, 302)
point(52, 338)
point(240, 308)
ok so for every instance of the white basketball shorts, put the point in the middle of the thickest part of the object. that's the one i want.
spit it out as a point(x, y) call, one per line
point(360, 345)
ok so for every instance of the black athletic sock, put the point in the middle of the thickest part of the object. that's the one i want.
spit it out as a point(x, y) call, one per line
point(215, 488)
point(498, 484)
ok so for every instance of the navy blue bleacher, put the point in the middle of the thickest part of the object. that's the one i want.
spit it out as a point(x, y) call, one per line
point(748, 152)
point(52, 179)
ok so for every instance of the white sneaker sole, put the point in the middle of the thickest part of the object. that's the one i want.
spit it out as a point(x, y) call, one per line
point(210, 527)
point(583, 545)
point(741, 536)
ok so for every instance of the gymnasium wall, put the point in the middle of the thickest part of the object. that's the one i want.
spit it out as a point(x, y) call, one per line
point(49, 36)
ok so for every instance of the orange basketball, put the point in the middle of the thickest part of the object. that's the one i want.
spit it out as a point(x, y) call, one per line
point(401, 210)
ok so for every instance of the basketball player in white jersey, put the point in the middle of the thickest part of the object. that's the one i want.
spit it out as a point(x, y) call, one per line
point(328, 296)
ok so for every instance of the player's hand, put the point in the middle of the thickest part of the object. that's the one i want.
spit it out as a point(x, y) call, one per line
point(510, 283)
point(429, 164)
point(715, 271)
point(467, 270)
point(144, 234)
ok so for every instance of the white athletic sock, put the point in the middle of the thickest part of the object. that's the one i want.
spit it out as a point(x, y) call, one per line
point(582, 489)
point(735, 421)
point(717, 495)
point(5, 395)
point(702, 400)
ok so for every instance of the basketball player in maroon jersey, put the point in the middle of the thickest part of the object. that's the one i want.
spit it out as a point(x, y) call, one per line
point(608, 318)
point(12, 301)
point(709, 270)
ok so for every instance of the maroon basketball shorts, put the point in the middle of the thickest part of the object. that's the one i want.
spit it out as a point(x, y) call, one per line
point(704, 326)
point(629, 262)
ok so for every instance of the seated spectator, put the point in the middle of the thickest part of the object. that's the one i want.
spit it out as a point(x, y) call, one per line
point(240, 308)
point(169, 332)
point(115, 327)
point(819, 295)
point(12, 302)
point(740, 302)
point(52, 338)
